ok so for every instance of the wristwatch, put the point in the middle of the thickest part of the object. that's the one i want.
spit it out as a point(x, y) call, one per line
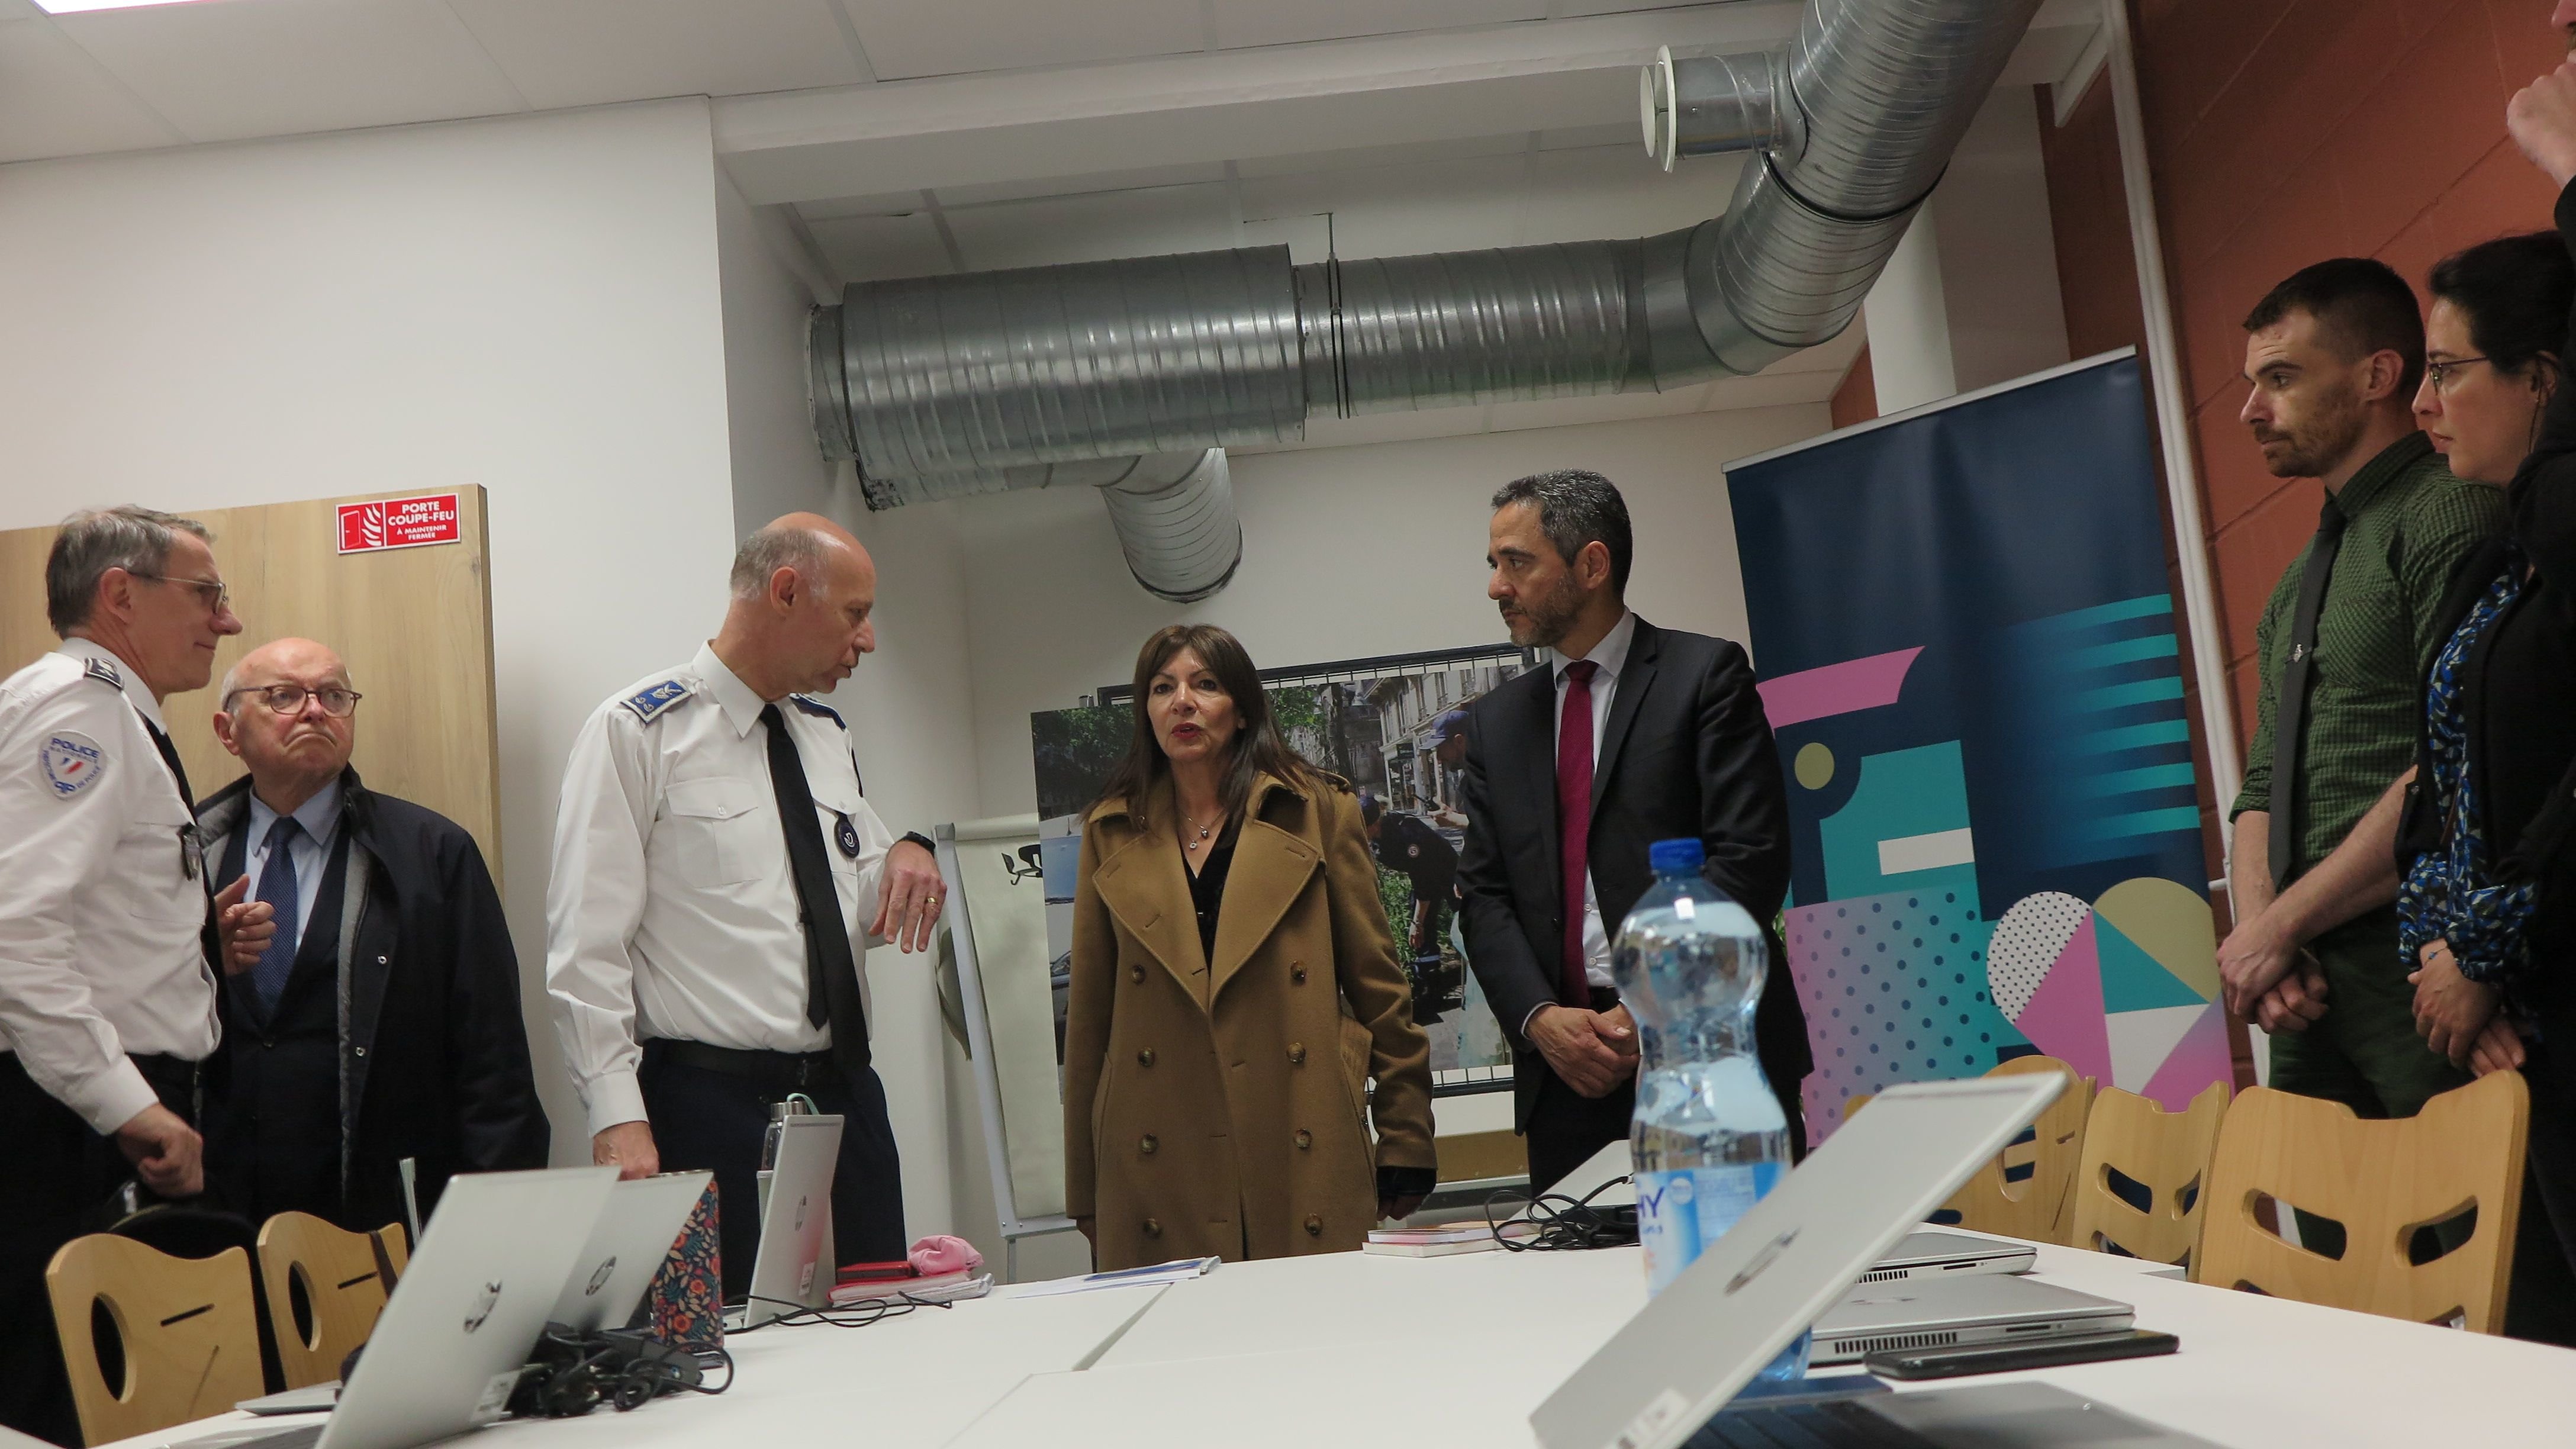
point(924, 841)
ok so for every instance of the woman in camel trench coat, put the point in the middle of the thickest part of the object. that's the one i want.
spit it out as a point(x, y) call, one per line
point(1216, 1099)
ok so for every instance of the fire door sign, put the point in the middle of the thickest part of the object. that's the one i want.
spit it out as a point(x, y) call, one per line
point(399, 523)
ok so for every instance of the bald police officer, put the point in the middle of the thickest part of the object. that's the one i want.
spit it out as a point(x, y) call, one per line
point(715, 862)
point(107, 1002)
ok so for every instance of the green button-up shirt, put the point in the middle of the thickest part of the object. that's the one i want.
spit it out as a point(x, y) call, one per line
point(2409, 525)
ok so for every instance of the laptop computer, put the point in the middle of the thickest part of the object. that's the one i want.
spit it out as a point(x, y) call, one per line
point(1928, 1255)
point(627, 1248)
point(1937, 1313)
point(448, 1348)
point(1664, 1374)
point(794, 1268)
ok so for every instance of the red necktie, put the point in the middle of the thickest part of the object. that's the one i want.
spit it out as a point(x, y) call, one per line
point(1574, 820)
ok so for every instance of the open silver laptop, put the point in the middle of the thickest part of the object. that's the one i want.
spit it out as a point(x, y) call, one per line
point(1661, 1377)
point(627, 1247)
point(1938, 1313)
point(447, 1350)
point(794, 1268)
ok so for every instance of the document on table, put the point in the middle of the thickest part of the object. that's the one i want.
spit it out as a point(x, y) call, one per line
point(1171, 1272)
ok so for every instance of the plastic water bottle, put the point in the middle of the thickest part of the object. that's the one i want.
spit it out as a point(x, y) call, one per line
point(1709, 1135)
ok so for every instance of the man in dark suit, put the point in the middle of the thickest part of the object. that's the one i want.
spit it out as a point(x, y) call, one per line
point(371, 1003)
point(1631, 734)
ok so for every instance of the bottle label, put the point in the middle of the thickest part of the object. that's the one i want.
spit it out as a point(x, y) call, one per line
point(1681, 1212)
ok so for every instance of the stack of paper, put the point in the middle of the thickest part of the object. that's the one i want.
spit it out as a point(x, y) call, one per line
point(1442, 1241)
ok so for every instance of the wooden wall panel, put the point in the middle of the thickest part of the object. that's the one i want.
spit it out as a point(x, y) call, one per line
point(414, 625)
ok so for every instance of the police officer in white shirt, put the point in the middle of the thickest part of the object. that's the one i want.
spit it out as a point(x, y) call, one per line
point(710, 814)
point(107, 1003)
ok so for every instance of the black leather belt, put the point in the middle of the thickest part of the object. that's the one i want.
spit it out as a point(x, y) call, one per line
point(778, 1071)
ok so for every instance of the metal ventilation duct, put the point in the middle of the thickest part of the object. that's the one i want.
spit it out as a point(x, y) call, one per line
point(972, 377)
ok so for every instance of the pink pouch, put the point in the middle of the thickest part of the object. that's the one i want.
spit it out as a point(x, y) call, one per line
point(940, 1253)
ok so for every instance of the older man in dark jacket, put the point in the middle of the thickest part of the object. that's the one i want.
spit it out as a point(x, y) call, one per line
point(371, 1005)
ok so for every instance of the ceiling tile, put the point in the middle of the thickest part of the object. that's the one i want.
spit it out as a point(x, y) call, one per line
point(875, 248)
point(908, 38)
point(55, 101)
point(18, 10)
point(1571, 138)
point(1268, 22)
point(1394, 211)
point(279, 67)
point(590, 52)
point(1094, 228)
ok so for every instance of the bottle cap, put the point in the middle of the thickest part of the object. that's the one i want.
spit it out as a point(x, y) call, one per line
point(1673, 857)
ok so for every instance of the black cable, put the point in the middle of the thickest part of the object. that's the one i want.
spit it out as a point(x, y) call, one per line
point(865, 1313)
point(1566, 1224)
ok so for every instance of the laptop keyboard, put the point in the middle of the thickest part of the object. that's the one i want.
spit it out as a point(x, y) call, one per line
point(1840, 1425)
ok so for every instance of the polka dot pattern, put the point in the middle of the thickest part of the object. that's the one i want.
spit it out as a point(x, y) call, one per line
point(1894, 988)
point(2029, 939)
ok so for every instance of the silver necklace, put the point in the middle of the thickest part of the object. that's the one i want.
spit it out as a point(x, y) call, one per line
point(1203, 830)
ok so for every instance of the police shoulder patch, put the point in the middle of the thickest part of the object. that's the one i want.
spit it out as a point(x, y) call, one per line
point(817, 708)
point(73, 763)
point(650, 702)
point(105, 673)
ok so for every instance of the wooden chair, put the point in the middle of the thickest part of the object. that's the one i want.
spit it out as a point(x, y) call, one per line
point(338, 1280)
point(2166, 1153)
point(2382, 1180)
point(2038, 1207)
point(186, 1328)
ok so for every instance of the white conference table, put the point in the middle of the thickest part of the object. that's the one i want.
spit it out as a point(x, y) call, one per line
point(1407, 1353)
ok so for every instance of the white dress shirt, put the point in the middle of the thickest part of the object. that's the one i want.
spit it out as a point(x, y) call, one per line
point(673, 912)
point(319, 818)
point(100, 955)
point(1608, 657)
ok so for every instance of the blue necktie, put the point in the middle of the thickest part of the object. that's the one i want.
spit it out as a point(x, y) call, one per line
point(277, 888)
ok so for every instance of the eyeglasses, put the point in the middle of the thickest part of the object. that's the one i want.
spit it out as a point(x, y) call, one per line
point(217, 594)
point(289, 699)
point(2439, 373)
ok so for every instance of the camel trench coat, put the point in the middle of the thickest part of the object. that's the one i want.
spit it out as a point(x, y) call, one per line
point(1212, 1107)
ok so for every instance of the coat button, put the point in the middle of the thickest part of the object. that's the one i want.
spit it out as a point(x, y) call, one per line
point(1144, 1056)
point(1314, 1226)
point(1136, 972)
point(360, 1051)
point(1297, 973)
point(1153, 1227)
point(1146, 1144)
point(1297, 1053)
point(1305, 1139)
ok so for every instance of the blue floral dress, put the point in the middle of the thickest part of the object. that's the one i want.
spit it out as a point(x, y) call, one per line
point(2451, 894)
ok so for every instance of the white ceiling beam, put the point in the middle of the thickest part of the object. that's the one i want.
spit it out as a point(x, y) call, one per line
point(1242, 105)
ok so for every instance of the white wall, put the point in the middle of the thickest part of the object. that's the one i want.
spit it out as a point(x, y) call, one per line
point(1348, 553)
point(1970, 297)
point(902, 703)
point(528, 304)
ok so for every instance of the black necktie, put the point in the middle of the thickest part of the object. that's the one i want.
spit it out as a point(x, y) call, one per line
point(2290, 704)
point(831, 975)
point(170, 757)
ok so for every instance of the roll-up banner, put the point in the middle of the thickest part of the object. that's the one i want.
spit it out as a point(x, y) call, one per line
point(1968, 648)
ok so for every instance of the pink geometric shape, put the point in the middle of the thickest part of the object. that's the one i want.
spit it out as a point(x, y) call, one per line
point(2199, 1059)
point(2064, 1018)
point(1836, 688)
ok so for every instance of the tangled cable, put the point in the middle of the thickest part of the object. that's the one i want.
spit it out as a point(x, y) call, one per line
point(863, 1314)
point(571, 1373)
point(1564, 1223)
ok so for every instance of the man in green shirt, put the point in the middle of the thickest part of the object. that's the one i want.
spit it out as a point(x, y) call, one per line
point(2334, 355)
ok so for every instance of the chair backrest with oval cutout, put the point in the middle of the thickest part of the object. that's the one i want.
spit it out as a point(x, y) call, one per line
point(187, 1335)
point(2384, 1181)
point(325, 1288)
point(2135, 1149)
